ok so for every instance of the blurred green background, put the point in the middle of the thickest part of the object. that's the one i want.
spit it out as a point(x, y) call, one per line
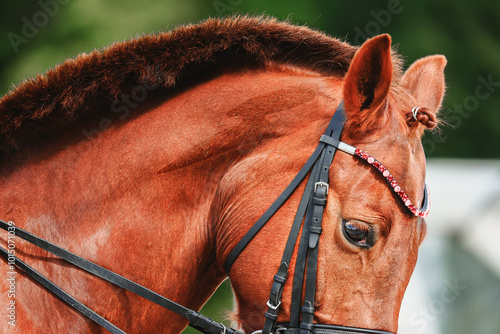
point(37, 35)
point(467, 32)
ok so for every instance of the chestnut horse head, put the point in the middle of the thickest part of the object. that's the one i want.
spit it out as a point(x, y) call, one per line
point(154, 157)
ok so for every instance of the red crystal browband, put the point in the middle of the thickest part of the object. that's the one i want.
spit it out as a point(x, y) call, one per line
point(423, 212)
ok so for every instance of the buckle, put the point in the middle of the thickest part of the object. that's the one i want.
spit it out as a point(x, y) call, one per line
point(272, 306)
point(321, 184)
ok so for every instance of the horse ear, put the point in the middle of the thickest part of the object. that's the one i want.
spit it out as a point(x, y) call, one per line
point(367, 84)
point(424, 79)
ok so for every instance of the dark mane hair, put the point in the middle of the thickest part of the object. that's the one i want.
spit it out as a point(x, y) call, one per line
point(80, 87)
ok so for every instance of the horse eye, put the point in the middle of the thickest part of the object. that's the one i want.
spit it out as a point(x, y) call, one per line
point(357, 233)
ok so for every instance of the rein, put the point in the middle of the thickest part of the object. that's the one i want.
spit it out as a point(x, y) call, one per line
point(309, 214)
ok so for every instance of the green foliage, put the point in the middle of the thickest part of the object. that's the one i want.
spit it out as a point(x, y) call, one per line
point(218, 307)
point(464, 31)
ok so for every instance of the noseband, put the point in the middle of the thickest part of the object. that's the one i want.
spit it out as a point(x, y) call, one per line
point(309, 216)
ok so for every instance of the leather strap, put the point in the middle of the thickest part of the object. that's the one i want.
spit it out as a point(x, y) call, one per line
point(335, 126)
point(63, 295)
point(319, 202)
point(317, 183)
point(203, 324)
point(300, 266)
point(309, 242)
point(280, 278)
point(277, 204)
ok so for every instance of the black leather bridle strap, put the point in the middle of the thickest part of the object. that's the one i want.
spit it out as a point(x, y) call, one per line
point(334, 129)
point(277, 204)
point(300, 266)
point(308, 249)
point(314, 200)
point(335, 126)
point(197, 321)
point(307, 253)
point(63, 295)
point(319, 203)
point(282, 274)
point(298, 278)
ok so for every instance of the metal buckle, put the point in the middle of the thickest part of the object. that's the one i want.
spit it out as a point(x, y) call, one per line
point(272, 306)
point(321, 184)
point(224, 329)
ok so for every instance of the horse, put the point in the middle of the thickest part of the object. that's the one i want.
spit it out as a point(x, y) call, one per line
point(153, 157)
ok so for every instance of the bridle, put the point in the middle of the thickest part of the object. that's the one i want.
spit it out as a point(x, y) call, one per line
point(308, 218)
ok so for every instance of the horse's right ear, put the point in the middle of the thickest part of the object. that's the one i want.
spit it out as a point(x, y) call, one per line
point(367, 84)
point(424, 79)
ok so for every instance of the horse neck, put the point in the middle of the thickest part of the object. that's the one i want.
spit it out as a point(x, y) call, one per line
point(151, 184)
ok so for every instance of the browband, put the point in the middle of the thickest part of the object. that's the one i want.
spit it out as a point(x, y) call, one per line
point(422, 213)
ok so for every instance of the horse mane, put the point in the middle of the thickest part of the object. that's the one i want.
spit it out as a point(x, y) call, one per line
point(80, 87)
